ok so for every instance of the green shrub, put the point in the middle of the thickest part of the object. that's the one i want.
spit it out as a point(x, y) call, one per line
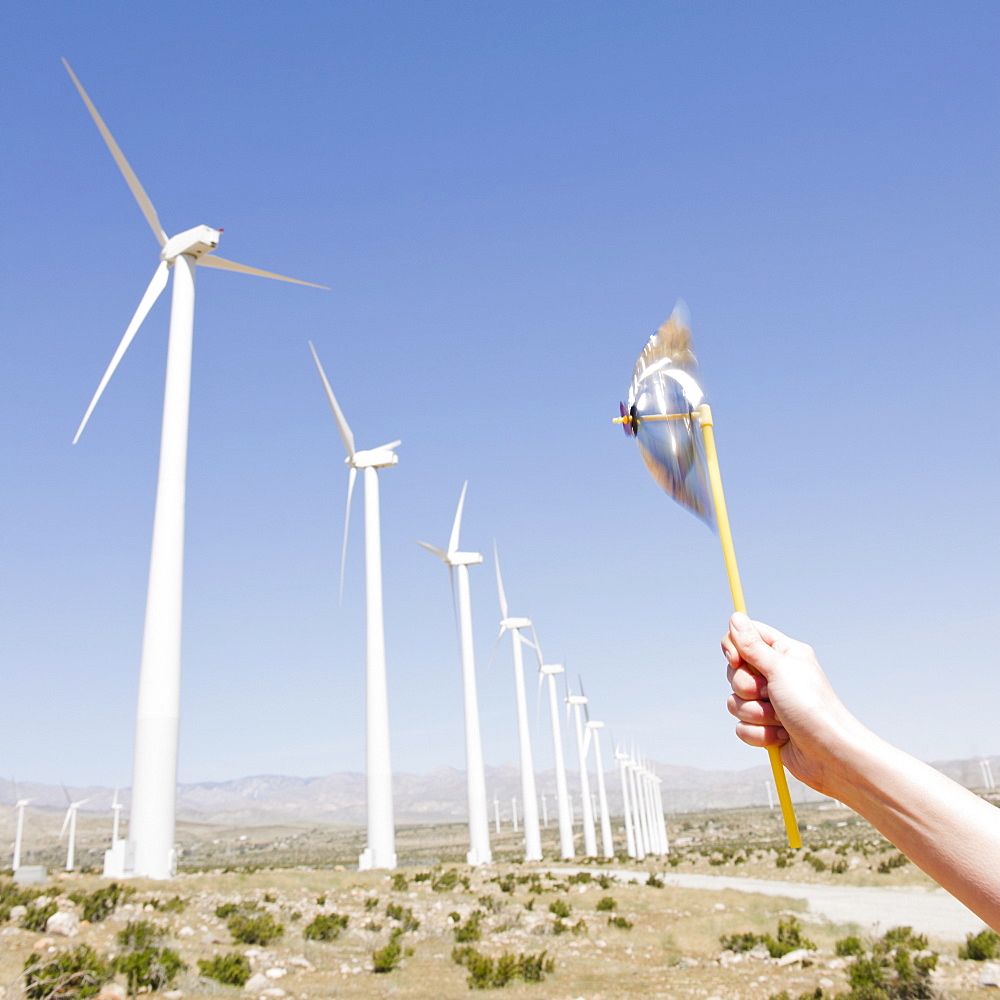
point(404, 915)
point(173, 905)
point(325, 927)
point(789, 938)
point(848, 946)
point(321, 900)
point(254, 928)
point(891, 970)
point(77, 974)
point(230, 970)
point(486, 973)
point(446, 881)
point(560, 908)
point(399, 882)
point(581, 877)
point(655, 882)
point(386, 959)
point(100, 904)
point(620, 922)
point(150, 969)
point(139, 935)
point(980, 947)
point(371, 903)
point(604, 881)
point(606, 904)
point(470, 930)
point(741, 942)
point(38, 916)
point(226, 910)
point(269, 897)
point(896, 861)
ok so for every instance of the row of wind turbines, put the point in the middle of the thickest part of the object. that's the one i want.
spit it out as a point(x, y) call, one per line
point(149, 848)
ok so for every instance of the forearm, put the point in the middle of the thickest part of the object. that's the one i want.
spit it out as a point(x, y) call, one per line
point(950, 833)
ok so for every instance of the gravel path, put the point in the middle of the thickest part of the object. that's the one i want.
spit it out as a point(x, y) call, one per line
point(928, 911)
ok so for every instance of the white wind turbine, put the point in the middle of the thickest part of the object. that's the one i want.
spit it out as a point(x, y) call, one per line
point(70, 822)
point(456, 561)
point(607, 841)
point(548, 671)
point(20, 806)
point(154, 775)
point(380, 851)
point(576, 704)
point(532, 833)
point(627, 806)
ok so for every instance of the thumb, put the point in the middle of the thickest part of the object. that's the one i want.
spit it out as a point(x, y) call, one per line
point(753, 650)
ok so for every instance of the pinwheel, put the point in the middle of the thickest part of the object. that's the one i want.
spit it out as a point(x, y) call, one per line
point(672, 425)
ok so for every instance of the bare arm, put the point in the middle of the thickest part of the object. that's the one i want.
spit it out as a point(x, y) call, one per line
point(949, 832)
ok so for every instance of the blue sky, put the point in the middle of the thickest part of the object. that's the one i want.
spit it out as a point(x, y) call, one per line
point(506, 199)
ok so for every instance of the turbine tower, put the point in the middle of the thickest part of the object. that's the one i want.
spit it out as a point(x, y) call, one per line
point(479, 828)
point(548, 671)
point(630, 843)
point(380, 851)
point(70, 822)
point(575, 704)
point(20, 806)
point(607, 841)
point(532, 833)
point(150, 850)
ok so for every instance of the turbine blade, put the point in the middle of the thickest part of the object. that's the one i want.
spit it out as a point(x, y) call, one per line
point(65, 823)
point(440, 553)
point(457, 525)
point(338, 414)
point(347, 522)
point(586, 742)
point(221, 264)
point(496, 646)
point(152, 293)
point(500, 591)
point(586, 704)
point(537, 646)
point(388, 447)
point(123, 165)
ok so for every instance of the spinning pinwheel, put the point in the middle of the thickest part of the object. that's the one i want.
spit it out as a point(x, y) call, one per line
point(673, 429)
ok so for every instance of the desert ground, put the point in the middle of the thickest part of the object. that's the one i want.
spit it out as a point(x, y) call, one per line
point(608, 933)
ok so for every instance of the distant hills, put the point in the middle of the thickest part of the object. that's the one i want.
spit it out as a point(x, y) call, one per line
point(438, 796)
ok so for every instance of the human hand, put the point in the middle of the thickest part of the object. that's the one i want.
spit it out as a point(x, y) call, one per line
point(781, 697)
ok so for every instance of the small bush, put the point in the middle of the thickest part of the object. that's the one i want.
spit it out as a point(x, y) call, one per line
point(100, 904)
point(849, 946)
point(560, 908)
point(38, 916)
point(321, 900)
point(399, 882)
point(139, 935)
point(226, 910)
point(604, 881)
point(654, 882)
point(980, 947)
point(404, 915)
point(620, 922)
point(606, 904)
point(325, 927)
point(580, 877)
point(254, 928)
point(150, 969)
point(896, 861)
point(79, 973)
point(269, 897)
point(371, 903)
point(470, 930)
point(386, 959)
point(446, 881)
point(740, 943)
point(230, 970)
point(486, 973)
point(891, 970)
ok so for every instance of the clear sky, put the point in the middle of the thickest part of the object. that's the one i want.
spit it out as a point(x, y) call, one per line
point(506, 199)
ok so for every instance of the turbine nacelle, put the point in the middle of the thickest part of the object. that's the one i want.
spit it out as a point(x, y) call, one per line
point(576, 699)
point(194, 242)
point(374, 458)
point(595, 725)
point(514, 623)
point(551, 668)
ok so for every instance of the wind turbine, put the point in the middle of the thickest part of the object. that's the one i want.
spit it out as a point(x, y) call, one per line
point(154, 774)
point(575, 704)
point(532, 833)
point(549, 671)
point(70, 822)
point(607, 841)
point(496, 811)
point(20, 806)
point(381, 849)
point(630, 843)
point(479, 830)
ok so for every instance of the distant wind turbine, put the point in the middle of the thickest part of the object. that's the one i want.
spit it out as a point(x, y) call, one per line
point(576, 703)
point(607, 841)
point(627, 806)
point(548, 671)
point(154, 776)
point(532, 833)
point(70, 822)
point(458, 563)
point(380, 851)
point(20, 806)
